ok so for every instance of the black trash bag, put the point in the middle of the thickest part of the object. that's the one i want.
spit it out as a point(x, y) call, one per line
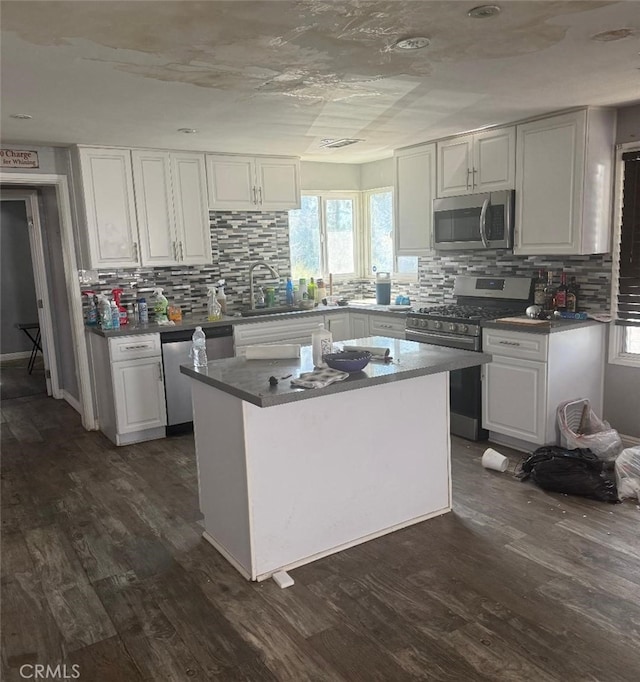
point(575, 472)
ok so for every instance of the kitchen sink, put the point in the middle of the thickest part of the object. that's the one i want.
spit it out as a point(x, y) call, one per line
point(254, 312)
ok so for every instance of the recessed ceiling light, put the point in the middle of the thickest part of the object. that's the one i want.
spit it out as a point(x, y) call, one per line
point(22, 117)
point(411, 43)
point(329, 143)
point(484, 11)
point(187, 131)
point(616, 34)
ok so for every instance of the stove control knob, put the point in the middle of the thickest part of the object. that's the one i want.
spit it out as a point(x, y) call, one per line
point(464, 328)
point(424, 324)
point(437, 325)
point(452, 327)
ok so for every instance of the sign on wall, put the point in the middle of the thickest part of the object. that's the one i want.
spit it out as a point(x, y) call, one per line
point(18, 158)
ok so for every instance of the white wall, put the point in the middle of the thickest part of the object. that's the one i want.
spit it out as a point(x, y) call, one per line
point(329, 176)
point(376, 174)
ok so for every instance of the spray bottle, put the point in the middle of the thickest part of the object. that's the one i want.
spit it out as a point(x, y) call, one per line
point(91, 316)
point(214, 310)
point(104, 312)
point(160, 306)
point(221, 297)
point(122, 311)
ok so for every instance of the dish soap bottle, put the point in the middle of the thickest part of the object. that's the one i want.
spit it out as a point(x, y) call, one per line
point(221, 297)
point(321, 344)
point(214, 311)
point(160, 306)
point(198, 351)
point(105, 320)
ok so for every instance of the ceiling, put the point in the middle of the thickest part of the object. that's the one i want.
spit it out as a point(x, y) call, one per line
point(279, 76)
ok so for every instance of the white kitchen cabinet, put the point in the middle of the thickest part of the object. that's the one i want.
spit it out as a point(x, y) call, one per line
point(415, 189)
point(479, 162)
point(288, 330)
point(128, 386)
point(247, 183)
point(564, 174)
point(339, 325)
point(531, 374)
point(171, 206)
point(359, 325)
point(106, 195)
point(387, 325)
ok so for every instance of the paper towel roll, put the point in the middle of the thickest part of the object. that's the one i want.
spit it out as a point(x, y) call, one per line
point(272, 351)
point(375, 351)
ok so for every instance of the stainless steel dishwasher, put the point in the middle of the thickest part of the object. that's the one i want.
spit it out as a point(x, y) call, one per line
point(177, 388)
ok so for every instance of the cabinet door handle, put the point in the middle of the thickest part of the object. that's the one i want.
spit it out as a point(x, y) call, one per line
point(140, 346)
point(255, 196)
point(175, 250)
point(135, 250)
point(181, 251)
point(260, 195)
point(475, 170)
point(468, 177)
point(160, 377)
point(509, 343)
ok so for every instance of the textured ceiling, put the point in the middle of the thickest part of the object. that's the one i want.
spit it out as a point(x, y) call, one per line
point(276, 77)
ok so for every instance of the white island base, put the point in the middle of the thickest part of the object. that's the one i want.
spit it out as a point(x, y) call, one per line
point(288, 484)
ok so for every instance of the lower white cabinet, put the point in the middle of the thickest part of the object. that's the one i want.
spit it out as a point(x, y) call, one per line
point(531, 374)
point(297, 330)
point(339, 325)
point(386, 325)
point(128, 387)
point(359, 325)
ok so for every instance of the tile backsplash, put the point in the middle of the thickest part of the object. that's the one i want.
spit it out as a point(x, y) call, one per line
point(241, 238)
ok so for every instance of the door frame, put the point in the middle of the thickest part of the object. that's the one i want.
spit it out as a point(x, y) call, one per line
point(61, 186)
point(36, 247)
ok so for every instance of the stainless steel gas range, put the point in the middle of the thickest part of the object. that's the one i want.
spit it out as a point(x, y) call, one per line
point(459, 325)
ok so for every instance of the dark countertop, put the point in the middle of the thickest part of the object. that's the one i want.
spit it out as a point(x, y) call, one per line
point(546, 326)
point(192, 321)
point(249, 379)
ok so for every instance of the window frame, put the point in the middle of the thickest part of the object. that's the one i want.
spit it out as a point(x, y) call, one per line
point(617, 331)
point(367, 271)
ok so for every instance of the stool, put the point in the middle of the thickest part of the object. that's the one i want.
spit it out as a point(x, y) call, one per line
point(35, 340)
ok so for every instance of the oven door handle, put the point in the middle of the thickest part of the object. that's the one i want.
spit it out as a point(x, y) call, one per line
point(447, 340)
point(483, 222)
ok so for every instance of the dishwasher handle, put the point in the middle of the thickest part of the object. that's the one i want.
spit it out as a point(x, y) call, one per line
point(179, 335)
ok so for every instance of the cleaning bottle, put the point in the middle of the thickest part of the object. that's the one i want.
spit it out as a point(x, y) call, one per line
point(221, 297)
point(198, 351)
point(260, 298)
point(289, 292)
point(115, 315)
point(321, 343)
point(91, 316)
point(143, 311)
point(117, 295)
point(160, 306)
point(214, 310)
point(105, 320)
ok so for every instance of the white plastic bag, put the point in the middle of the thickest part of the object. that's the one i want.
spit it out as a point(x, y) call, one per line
point(596, 434)
point(628, 473)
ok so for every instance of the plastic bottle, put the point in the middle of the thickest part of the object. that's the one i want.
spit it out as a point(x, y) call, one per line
point(117, 294)
point(91, 317)
point(143, 311)
point(321, 291)
point(311, 290)
point(160, 306)
point(321, 344)
point(260, 298)
point(115, 315)
point(105, 320)
point(289, 292)
point(198, 351)
point(538, 291)
point(214, 311)
point(221, 296)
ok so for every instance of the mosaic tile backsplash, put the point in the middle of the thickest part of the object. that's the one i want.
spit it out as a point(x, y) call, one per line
point(239, 239)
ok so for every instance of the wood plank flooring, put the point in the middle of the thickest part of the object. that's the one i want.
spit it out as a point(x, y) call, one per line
point(103, 567)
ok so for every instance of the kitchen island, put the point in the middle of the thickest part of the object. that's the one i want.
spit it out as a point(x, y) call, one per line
point(289, 475)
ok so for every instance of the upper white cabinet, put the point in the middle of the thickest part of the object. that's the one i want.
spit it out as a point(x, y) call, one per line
point(564, 168)
point(106, 186)
point(415, 189)
point(480, 162)
point(247, 183)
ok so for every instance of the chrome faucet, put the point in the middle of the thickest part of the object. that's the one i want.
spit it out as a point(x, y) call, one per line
point(251, 269)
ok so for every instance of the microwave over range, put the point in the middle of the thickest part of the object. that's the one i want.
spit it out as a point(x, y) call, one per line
point(474, 221)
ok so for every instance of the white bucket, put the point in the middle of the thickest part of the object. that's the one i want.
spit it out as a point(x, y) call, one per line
point(492, 459)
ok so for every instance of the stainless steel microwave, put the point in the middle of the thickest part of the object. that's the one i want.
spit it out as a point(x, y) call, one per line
point(474, 221)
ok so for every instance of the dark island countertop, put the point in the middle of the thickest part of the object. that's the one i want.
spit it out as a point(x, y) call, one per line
point(249, 379)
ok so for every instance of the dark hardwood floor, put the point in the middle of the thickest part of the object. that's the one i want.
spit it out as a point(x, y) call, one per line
point(103, 567)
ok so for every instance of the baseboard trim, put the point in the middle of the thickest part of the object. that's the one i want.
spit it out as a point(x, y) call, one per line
point(629, 441)
point(74, 402)
point(23, 354)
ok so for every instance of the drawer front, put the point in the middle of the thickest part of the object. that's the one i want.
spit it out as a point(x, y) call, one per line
point(272, 332)
point(133, 347)
point(515, 344)
point(383, 325)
